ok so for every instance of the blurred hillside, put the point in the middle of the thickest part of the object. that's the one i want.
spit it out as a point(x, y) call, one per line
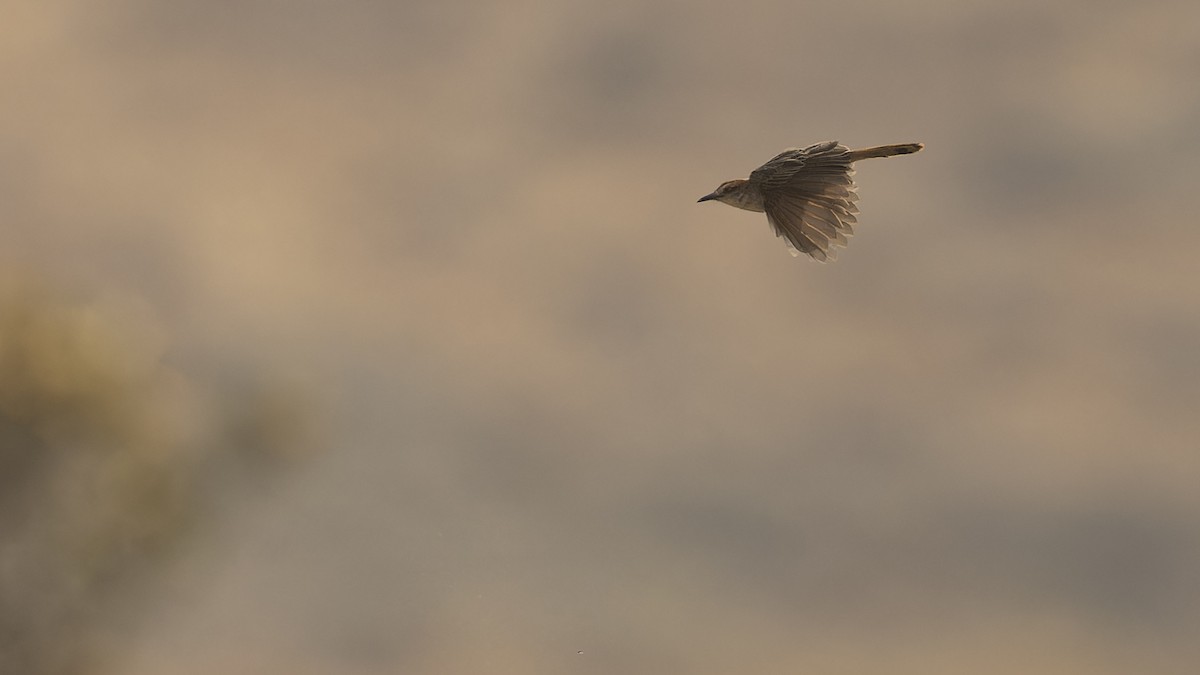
point(112, 464)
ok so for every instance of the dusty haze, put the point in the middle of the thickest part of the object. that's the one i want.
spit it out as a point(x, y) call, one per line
point(581, 424)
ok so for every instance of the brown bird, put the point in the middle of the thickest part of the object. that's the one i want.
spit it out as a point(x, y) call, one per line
point(807, 193)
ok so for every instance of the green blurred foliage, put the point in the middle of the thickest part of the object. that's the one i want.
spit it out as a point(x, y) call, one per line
point(111, 463)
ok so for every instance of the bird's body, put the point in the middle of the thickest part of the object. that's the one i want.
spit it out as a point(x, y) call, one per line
point(808, 194)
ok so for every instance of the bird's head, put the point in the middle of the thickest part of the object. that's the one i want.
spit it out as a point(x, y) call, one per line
point(724, 191)
point(736, 193)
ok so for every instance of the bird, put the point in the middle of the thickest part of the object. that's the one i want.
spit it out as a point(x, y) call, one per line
point(807, 193)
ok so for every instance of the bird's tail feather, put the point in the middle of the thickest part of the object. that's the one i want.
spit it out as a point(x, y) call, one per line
point(885, 151)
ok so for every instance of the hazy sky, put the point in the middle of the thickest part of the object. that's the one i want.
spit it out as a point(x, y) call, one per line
point(580, 423)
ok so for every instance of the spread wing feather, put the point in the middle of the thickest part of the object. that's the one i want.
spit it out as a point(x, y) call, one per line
point(809, 196)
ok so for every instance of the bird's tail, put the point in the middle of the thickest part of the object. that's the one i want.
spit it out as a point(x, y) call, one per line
point(885, 151)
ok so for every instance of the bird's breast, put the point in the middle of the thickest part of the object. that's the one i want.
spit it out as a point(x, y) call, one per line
point(749, 200)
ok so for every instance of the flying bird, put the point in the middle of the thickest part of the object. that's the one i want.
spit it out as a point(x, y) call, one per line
point(808, 194)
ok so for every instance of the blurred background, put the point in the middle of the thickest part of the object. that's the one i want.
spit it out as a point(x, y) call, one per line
point(387, 337)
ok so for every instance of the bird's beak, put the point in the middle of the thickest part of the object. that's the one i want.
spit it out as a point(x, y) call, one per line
point(707, 197)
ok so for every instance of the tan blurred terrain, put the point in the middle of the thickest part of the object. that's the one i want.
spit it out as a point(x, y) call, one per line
point(581, 424)
point(112, 464)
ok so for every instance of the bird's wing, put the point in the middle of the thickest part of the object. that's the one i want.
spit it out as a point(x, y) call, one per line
point(809, 197)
